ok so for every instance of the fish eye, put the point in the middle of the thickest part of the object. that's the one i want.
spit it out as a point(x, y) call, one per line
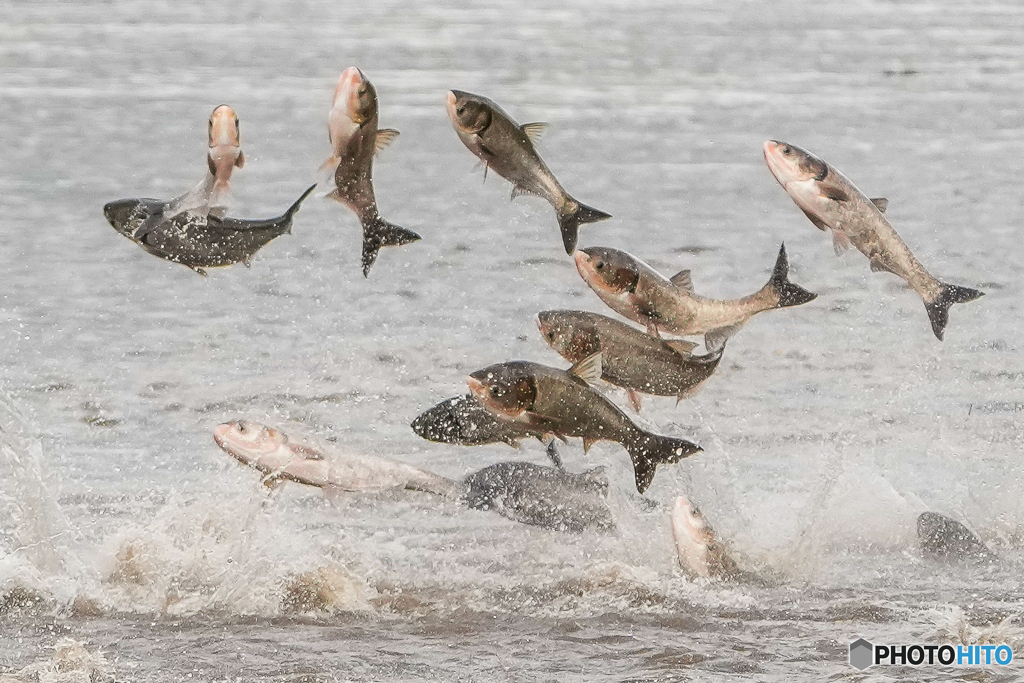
point(241, 427)
point(460, 109)
point(786, 149)
point(600, 265)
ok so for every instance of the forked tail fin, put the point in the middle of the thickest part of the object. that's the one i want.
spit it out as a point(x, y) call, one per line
point(938, 310)
point(788, 293)
point(649, 450)
point(378, 233)
point(570, 222)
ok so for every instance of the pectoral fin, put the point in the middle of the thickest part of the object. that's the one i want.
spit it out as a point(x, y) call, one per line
point(814, 219)
point(589, 369)
point(836, 194)
point(840, 242)
point(385, 136)
point(587, 443)
point(240, 161)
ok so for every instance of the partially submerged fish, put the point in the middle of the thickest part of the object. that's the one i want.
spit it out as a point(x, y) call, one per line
point(195, 240)
point(634, 289)
point(552, 401)
point(701, 553)
point(523, 492)
point(832, 202)
point(310, 462)
point(947, 540)
point(355, 139)
point(543, 496)
point(508, 148)
point(463, 420)
point(630, 359)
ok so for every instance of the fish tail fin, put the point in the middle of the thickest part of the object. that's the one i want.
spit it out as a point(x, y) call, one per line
point(787, 293)
point(293, 209)
point(938, 310)
point(378, 233)
point(648, 450)
point(570, 222)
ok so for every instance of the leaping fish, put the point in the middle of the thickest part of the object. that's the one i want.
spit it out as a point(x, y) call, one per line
point(355, 139)
point(634, 289)
point(832, 202)
point(551, 401)
point(508, 148)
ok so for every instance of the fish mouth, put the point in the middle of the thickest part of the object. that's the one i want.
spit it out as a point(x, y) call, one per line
point(582, 260)
point(477, 388)
point(451, 103)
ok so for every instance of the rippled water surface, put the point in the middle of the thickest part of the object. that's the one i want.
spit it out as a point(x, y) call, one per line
point(827, 429)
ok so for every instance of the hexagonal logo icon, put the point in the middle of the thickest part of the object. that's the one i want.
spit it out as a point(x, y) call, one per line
point(861, 654)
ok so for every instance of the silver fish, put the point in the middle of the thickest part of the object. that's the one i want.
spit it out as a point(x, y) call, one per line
point(701, 553)
point(832, 202)
point(508, 148)
point(634, 289)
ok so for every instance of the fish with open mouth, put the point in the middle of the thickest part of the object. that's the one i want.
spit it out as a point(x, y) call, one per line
point(637, 291)
point(196, 240)
point(355, 139)
point(832, 202)
point(630, 359)
point(701, 553)
point(558, 402)
point(508, 148)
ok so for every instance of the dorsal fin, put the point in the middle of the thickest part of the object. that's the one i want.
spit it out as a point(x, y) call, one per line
point(534, 131)
point(881, 203)
point(682, 280)
point(589, 369)
point(385, 136)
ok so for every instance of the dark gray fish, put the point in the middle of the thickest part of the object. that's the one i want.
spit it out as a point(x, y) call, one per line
point(947, 540)
point(552, 401)
point(193, 240)
point(507, 147)
point(355, 139)
point(630, 358)
point(544, 496)
point(462, 420)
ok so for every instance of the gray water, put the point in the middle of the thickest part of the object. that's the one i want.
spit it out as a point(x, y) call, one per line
point(826, 430)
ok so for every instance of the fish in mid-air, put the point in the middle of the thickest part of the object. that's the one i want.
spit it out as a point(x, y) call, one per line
point(355, 139)
point(307, 461)
point(508, 148)
point(520, 491)
point(196, 240)
point(832, 202)
point(634, 289)
point(630, 359)
point(552, 401)
point(462, 420)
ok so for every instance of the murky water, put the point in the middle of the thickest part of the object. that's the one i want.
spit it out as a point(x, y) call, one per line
point(826, 430)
